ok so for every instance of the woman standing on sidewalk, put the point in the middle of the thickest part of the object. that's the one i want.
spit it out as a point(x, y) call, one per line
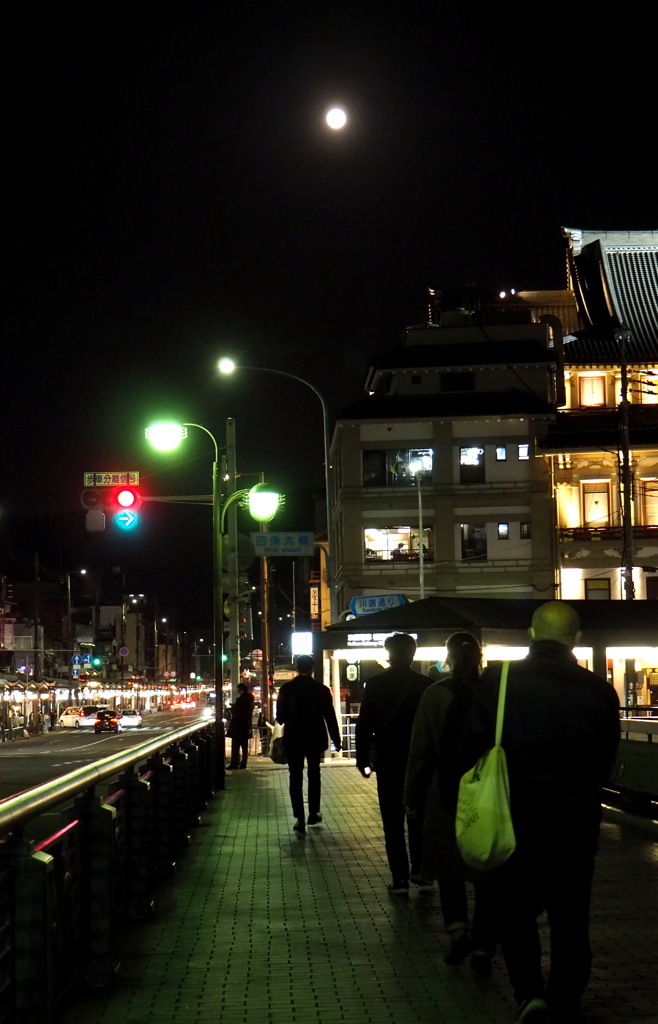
point(430, 794)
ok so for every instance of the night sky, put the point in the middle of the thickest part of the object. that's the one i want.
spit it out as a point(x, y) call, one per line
point(174, 195)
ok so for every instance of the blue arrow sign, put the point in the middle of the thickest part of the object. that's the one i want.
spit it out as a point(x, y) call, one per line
point(375, 603)
point(76, 659)
point(126, 519)
point(75, 673)
point(86, 659)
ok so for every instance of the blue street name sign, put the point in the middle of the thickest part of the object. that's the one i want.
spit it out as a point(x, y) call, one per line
point(295, 543)
point(76, 659)
point(375, 603)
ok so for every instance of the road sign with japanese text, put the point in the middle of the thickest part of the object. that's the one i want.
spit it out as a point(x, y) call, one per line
point(112, 479)
point(293, 543)
point(375, 603)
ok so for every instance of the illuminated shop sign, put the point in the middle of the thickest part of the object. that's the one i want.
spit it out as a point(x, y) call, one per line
point(371, 639)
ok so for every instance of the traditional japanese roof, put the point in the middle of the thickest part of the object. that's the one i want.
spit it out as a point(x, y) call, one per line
point(591, 431)
point(600, 347)
point(614, 275)
point(472, 403)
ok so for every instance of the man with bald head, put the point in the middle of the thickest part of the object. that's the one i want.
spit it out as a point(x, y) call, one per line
point(560, 735)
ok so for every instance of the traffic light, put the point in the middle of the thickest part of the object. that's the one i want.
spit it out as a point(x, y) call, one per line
point(121, 503)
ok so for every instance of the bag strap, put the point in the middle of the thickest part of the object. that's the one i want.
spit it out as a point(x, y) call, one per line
point(500, 714)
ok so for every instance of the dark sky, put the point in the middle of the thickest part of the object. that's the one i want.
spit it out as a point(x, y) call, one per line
point(174, 196)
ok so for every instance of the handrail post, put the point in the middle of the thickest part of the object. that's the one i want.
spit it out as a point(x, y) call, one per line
point(139, 842)
point(99, 885)
point(33, 928)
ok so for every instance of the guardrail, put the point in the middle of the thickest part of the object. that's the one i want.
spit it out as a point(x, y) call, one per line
point(61, 900)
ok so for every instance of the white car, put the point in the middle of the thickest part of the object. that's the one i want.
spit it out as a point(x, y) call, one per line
point(130, 719)
point(78, 718)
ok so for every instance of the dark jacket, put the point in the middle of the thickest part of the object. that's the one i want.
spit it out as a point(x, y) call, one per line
point(432, 778)
point(386, 718)
point(241, 715)
point(306, 710)
point(560, 734)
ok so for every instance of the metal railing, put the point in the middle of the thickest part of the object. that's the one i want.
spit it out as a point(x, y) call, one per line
point(61, 899)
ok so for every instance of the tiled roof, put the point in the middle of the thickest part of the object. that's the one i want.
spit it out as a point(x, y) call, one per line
point(601, 347)
point(576, 431)
point(615, 277)
point(474, 403)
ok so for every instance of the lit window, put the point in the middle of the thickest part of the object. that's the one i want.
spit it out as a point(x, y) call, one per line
point(396, 544)
point(597, 589)
point(501, 453)
point(650, 502)
point(564, 461)
point(524, 451)
point(471, 465)
point(503, 531)
point(592, 390)
point(525, 531)
point(474, 542)
point(649, 387)
point(397, 467)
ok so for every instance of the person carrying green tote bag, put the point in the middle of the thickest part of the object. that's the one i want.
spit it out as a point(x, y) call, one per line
point(485, 833)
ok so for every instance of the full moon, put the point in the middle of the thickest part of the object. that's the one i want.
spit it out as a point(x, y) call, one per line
point(336, 118)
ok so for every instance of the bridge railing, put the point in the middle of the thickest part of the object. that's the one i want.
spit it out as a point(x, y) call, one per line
point(64, 899)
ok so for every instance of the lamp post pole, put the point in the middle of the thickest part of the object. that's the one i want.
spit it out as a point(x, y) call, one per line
point(325, 436)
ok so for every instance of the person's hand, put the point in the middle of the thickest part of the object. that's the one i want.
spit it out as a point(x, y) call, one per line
point(365, 770)
point(338, 746)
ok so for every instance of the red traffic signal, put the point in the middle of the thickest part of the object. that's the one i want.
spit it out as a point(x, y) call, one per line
point(111, 499)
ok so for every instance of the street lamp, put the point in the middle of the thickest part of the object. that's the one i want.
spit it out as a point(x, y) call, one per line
point(227, 366)
point(263, 503)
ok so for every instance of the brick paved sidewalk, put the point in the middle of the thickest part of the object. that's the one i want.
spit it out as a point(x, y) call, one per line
point(267, 927)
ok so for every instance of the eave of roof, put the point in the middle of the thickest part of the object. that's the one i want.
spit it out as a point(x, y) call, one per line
point(462, 404)
point(466, 354)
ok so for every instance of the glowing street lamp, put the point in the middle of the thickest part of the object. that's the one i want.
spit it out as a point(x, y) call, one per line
point(226, 366)
point(263, 503)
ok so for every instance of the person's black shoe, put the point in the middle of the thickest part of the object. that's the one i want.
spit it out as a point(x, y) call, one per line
point(481, 964)
point(460, 947)
point(299, 825)
point(314, 819)
point(399, 887)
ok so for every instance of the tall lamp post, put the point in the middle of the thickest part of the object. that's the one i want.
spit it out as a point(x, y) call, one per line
point(227, 366)
point(263, 504)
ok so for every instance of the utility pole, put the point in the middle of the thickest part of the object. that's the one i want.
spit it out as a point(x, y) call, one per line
point(233, 563)
point(626, 474)
point(37, 619)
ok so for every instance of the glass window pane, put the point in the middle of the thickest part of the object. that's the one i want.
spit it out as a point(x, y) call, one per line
point(501, 452)
point(471, 465)
point(503, 531)
point(474, 542)
point(374, 469)
point(524, 451)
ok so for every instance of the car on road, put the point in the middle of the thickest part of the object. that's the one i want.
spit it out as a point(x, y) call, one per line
point(182, 705)
point(79, 718)
point(130, 718)
point(107, 721)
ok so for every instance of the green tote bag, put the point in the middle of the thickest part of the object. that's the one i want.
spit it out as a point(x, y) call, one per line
point(485, 834)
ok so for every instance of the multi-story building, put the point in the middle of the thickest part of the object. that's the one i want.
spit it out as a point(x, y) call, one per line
point(485, 459)
point(437, 490)
point(611, 404)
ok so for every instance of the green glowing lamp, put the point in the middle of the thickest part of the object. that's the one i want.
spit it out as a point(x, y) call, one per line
point(166, 436)
point(263, 503)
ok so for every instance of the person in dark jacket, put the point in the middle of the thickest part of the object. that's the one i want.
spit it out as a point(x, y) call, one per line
point(560, 735)
point(387, 713)
point(239, 729)
point(430, 794)
point(306, 711)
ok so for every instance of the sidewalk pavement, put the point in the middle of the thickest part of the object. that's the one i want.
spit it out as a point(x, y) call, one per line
point(265, 926)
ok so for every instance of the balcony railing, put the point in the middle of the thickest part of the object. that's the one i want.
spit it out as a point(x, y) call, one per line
point(615, 533)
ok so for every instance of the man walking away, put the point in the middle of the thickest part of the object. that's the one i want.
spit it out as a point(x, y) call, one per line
point(560, 735)
point(306, 711)
point(385, 721)
point(239, 729)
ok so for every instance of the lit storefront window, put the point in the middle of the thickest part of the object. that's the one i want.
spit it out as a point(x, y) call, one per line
point(396, 544)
